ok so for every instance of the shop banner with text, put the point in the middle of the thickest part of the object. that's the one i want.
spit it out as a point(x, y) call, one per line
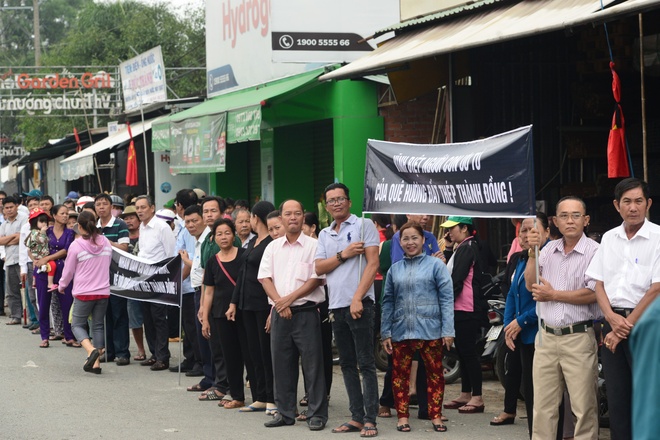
point(198, 145)
point(491, 177)
point(143, 280)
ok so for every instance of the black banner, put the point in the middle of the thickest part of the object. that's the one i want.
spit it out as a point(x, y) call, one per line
point(144, 280)
point(491, 177)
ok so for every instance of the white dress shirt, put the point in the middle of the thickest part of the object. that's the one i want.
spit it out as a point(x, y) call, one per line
point(157, 241)
point(196, 271)
point(627, 267)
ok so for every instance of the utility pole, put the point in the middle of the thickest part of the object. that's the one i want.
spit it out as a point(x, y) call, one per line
point(37, 33)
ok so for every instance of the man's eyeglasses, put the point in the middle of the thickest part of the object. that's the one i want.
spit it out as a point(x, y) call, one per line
point(337, 201)
point(574, 215)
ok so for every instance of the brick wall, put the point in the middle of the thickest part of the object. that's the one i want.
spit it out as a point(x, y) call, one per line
point(410, 121)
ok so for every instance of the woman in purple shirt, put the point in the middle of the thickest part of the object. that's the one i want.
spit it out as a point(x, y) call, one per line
point(59, 240)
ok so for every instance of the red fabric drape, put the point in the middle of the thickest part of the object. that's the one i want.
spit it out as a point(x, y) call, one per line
point(131, 163)
point(617, 156)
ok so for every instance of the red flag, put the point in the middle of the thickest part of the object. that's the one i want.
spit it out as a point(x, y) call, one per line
point(131, 163)
point(617, 154)
point(75, 134)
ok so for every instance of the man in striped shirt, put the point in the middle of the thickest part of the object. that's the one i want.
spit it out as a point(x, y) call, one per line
point(566, 348)
point(627, 270)
point(116, 231)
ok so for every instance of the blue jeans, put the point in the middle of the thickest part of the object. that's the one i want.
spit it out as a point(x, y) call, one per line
point(355, 342)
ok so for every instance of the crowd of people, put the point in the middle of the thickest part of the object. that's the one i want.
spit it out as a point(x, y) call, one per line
point(265, 289)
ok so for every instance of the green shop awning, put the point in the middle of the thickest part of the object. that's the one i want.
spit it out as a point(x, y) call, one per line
point(197, 137)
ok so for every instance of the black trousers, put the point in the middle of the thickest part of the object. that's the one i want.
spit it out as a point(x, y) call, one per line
point(233, 342)
point(292, 338)
point(617, 367)
point(155, 329)
point(326, 345)
point(467, 329)
point(190, 344)
point(258, 344)
point(221, 381)
point(519, 371)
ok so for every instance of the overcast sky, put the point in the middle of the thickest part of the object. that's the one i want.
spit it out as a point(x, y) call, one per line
point(178, 4)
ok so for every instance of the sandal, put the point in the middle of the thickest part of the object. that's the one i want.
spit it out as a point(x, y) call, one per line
point(403, 428)
point(72, 343)
point(44, 344)
point(304, 401)
point(471, 409)
point(271, 411)
point(440, 427)
point(369, 431)
point(454, 404)
point(140, 357)
point(197, 388)
point(384, 412)
point(56, 338)
point(213, 395)
point(302, 417)
point(234, 404)
point(36, 331)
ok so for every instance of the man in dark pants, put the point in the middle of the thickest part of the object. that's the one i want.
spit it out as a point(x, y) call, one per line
point(295, 290)
point(156, 243)
point(117, 334)
point(348, 253)
point(185, 241)
point(627, 270)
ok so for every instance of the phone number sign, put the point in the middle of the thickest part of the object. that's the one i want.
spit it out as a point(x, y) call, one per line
point(324, 41)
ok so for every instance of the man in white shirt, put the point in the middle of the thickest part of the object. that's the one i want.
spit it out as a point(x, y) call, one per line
point(295, 290)
point(156, 243)
point(627, 273)
point(9, 237)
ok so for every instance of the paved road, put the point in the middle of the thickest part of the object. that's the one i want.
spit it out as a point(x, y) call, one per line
point(46, 395)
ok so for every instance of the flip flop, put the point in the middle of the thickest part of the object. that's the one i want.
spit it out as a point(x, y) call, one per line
point(91, 360)
point(471, 409)
point(271, 411)
point(454, 404)
point(440, 427)
point(349, 428)
point(197, 388)
point(211, 396)
point(369, 431)
point(403, 428)
point(140, 357)
point(251, 408)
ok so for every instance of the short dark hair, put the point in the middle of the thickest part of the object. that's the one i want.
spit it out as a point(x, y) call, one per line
point(576, 198)
point(223, 221)
point(88, 205)
point(102, 196)
point(400, 220)
point(262, 209)
point(291, 200)
point(543, 218)
point(222, 205)
point(242, 203)
point(414, 225)
point(30, 198)
point(336, 185)
point(47, 197)
point(11, 199)
point(148, 198)
point(186, 197)
point(229, 201)
point(2, 193)
point(628, 184)
point(194, 209)
point(311, 219)
point(273, 214)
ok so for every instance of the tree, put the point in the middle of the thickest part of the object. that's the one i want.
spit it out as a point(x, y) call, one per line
point(105, 34)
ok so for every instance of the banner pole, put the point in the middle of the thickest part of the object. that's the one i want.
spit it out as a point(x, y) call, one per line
point(361, 255)
point(180, 322)
point(538, 280)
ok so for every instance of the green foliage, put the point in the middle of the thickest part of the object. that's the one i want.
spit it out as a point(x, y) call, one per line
point(85, 33)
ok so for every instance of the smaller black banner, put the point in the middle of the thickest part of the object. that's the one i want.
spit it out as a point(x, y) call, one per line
point(323, 41)
point(143, 280)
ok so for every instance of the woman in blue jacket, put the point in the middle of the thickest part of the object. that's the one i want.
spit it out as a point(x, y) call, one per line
point(417, 315)
point(520, 327)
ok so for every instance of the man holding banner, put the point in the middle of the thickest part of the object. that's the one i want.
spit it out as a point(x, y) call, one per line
point(348, 254)
point(566, 348)
point(156, 243)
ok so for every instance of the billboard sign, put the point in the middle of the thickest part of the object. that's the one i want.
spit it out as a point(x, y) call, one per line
point(143, 79)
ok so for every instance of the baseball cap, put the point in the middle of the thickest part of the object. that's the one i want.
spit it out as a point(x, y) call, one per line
point(72, 195)
point(116, 200)
point(37, 212)
point(455, 220)
point(169, 204)
point(33, 193)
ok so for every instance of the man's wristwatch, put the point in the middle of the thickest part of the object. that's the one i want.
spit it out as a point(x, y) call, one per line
point(340, 258)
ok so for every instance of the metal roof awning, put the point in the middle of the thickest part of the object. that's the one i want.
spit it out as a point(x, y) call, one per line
point(498, 24)
point(64, 146)
point(82, 163)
